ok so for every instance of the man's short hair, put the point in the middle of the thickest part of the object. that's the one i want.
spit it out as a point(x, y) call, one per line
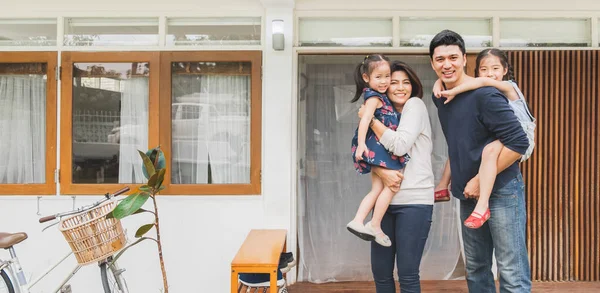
point(446, 38)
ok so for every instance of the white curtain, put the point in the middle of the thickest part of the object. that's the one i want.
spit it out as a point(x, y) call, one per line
point(329, 188)
point(133, 132)
point(23, 129)
point(211, 129)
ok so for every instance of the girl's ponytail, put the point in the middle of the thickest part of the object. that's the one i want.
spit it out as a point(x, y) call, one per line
point(360, 82)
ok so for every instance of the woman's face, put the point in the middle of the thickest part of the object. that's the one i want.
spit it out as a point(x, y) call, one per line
point(491, 67)
point(400, 89)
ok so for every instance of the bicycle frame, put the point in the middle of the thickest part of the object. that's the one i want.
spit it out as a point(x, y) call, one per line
point(20, 284)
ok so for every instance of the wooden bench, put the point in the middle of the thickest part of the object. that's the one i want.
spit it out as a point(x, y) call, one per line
point(259, 253)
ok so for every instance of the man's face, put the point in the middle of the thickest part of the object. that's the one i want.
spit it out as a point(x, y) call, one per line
point(448, 63)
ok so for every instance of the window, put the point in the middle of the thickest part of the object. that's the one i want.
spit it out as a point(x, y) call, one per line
point(107, 104)
point(213, 31)
point(418, 32)
point(28, 32)
point(214, 140)
point(554, 32)
point(342, 32)
point(206, 119)
point(27, 122)
point(111, 31)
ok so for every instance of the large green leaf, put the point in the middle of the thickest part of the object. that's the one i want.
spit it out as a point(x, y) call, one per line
point(130, 204)
point(116, 256)
point(146, 188)
point(143, 230)
point(139, 211)
point(160, 178)
point(153, 179)
point(148, 165)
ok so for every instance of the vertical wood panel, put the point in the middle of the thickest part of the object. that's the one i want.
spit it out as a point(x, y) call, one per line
point(562, 176)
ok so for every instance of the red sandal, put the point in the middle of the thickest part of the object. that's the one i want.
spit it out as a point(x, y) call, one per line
point(476, 222)
point(442, 195)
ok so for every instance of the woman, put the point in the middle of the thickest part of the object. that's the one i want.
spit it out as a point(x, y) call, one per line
point(408, 218)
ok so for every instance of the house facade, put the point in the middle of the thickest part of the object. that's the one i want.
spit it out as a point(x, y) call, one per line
point(256, 131)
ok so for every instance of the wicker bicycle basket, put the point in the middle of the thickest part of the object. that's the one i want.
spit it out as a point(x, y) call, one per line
point(91, 235)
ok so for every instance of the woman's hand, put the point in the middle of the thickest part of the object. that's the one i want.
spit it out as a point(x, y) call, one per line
point(361, 111)
point(360, 150)
point(390, 178)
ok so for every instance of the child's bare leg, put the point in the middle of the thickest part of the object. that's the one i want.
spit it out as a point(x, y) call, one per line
point(487, 174)
point(381, 206)
point(369, 200)
point(445, 180)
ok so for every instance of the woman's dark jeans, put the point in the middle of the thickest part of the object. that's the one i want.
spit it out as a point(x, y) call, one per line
point(408, 227)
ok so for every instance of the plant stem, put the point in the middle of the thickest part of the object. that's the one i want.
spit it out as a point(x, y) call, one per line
point(160, 254)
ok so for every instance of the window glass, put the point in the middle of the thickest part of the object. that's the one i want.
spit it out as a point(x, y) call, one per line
point(110, 121)
point(340, 32)
point(23, 123)
point(111, 31)
point(213, 31)
point(418, 32)
point(545, 33)
point(28, 32)
point(210, 122)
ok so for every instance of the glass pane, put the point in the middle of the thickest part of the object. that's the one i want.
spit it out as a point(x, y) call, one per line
point(111, 31)
point(361, 32)
point(110, 121)
point(213, 31)
point(28, 32)
point(329, 190)
point(545, 33)
point(418, 32)
point(210, 122)
point(23, 122)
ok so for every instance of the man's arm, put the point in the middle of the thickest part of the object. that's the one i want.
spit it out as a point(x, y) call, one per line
point(497, 116)
point(499, 119)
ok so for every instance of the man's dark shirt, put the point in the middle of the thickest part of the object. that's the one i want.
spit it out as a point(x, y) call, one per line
point(471, 121)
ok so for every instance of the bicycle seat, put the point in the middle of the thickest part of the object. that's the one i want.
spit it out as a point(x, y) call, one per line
point(9, 239)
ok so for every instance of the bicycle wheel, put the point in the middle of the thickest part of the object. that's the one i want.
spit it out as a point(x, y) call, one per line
point(112, 278)
point(6, 285)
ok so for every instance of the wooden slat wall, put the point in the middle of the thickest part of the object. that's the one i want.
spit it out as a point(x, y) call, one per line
point(562, 176)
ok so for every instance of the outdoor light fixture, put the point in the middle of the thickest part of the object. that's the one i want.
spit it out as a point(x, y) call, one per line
point(278, 39)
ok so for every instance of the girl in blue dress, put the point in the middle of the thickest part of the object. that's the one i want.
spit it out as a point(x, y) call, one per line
point(372, 77)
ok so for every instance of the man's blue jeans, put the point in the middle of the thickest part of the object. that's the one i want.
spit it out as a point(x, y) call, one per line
point(504, 232)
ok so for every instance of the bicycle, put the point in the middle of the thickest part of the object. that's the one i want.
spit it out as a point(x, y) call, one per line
point(92, 237)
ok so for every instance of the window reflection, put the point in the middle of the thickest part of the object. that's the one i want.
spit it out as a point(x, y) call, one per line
point(110, 121)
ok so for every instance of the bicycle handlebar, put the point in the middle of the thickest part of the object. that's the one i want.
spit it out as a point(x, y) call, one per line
point(108, 196)
point(47, 218)
point(120, 191)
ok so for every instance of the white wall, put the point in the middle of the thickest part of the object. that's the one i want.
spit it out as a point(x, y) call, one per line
point(456, 5)
point(201, 234)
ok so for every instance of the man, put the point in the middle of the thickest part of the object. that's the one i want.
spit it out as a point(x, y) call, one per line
point(471, 121)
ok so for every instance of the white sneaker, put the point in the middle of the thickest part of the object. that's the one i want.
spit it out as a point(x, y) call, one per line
point(359, 230)
point(380, 237)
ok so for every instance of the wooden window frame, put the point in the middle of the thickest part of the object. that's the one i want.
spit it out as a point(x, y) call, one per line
point(66, 128)
point(49, 187)
point(255, 58)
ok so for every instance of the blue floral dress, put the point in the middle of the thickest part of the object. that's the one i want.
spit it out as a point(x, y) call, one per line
point(378, 155)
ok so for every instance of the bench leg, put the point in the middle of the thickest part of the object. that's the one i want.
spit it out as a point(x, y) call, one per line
point(234, 281)
point(273, 288)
